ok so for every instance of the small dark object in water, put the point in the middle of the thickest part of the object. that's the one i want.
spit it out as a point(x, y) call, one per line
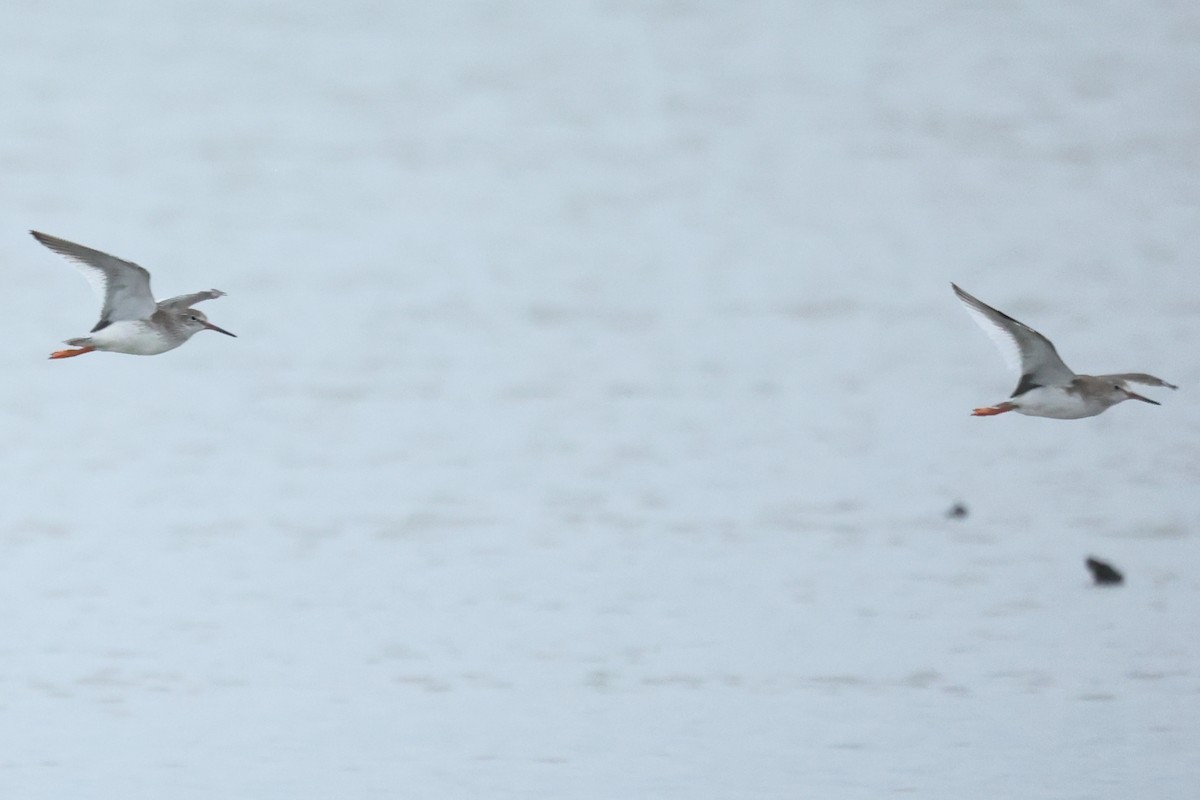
point(957, 511)
point(1104, 574)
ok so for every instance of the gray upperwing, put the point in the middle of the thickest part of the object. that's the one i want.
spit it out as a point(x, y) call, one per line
point(1139, 377)
point(1029, 352)
point(123, 286)
point(188, 300)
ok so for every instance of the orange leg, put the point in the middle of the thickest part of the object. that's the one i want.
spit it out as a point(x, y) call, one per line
point(68, 353)
point(991, 411)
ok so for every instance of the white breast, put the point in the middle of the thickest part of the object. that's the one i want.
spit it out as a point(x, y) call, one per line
point(134, 337)
point(1056, 402)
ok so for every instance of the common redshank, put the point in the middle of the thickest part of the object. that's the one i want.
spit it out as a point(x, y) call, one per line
point(131, 321)
point(1048, 388)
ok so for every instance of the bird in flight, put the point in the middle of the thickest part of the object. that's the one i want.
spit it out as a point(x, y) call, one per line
point(131, 320)
point(1047, 387)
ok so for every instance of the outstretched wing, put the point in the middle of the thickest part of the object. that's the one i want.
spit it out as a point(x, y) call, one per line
point(123, 287)
point(1138, 377)
point(1028, 352)
point(188, 300)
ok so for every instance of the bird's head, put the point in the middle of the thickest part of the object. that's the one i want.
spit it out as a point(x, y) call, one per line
point(1118, 391)
point(194, 321)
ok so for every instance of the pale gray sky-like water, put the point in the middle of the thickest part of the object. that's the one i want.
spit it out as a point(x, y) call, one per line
point(598, 394)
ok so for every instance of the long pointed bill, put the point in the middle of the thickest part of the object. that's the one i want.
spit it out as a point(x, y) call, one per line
point(1136, 396)
point(212, 327)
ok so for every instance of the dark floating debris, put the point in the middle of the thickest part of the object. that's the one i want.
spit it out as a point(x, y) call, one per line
point(1104, 574)
point(957, 511)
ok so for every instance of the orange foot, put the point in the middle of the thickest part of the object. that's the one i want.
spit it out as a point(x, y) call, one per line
point(993, 410)
point(68, 353)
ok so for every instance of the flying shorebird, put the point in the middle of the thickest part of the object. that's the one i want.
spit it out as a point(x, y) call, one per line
point(131, 321)
point(1048, 388)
